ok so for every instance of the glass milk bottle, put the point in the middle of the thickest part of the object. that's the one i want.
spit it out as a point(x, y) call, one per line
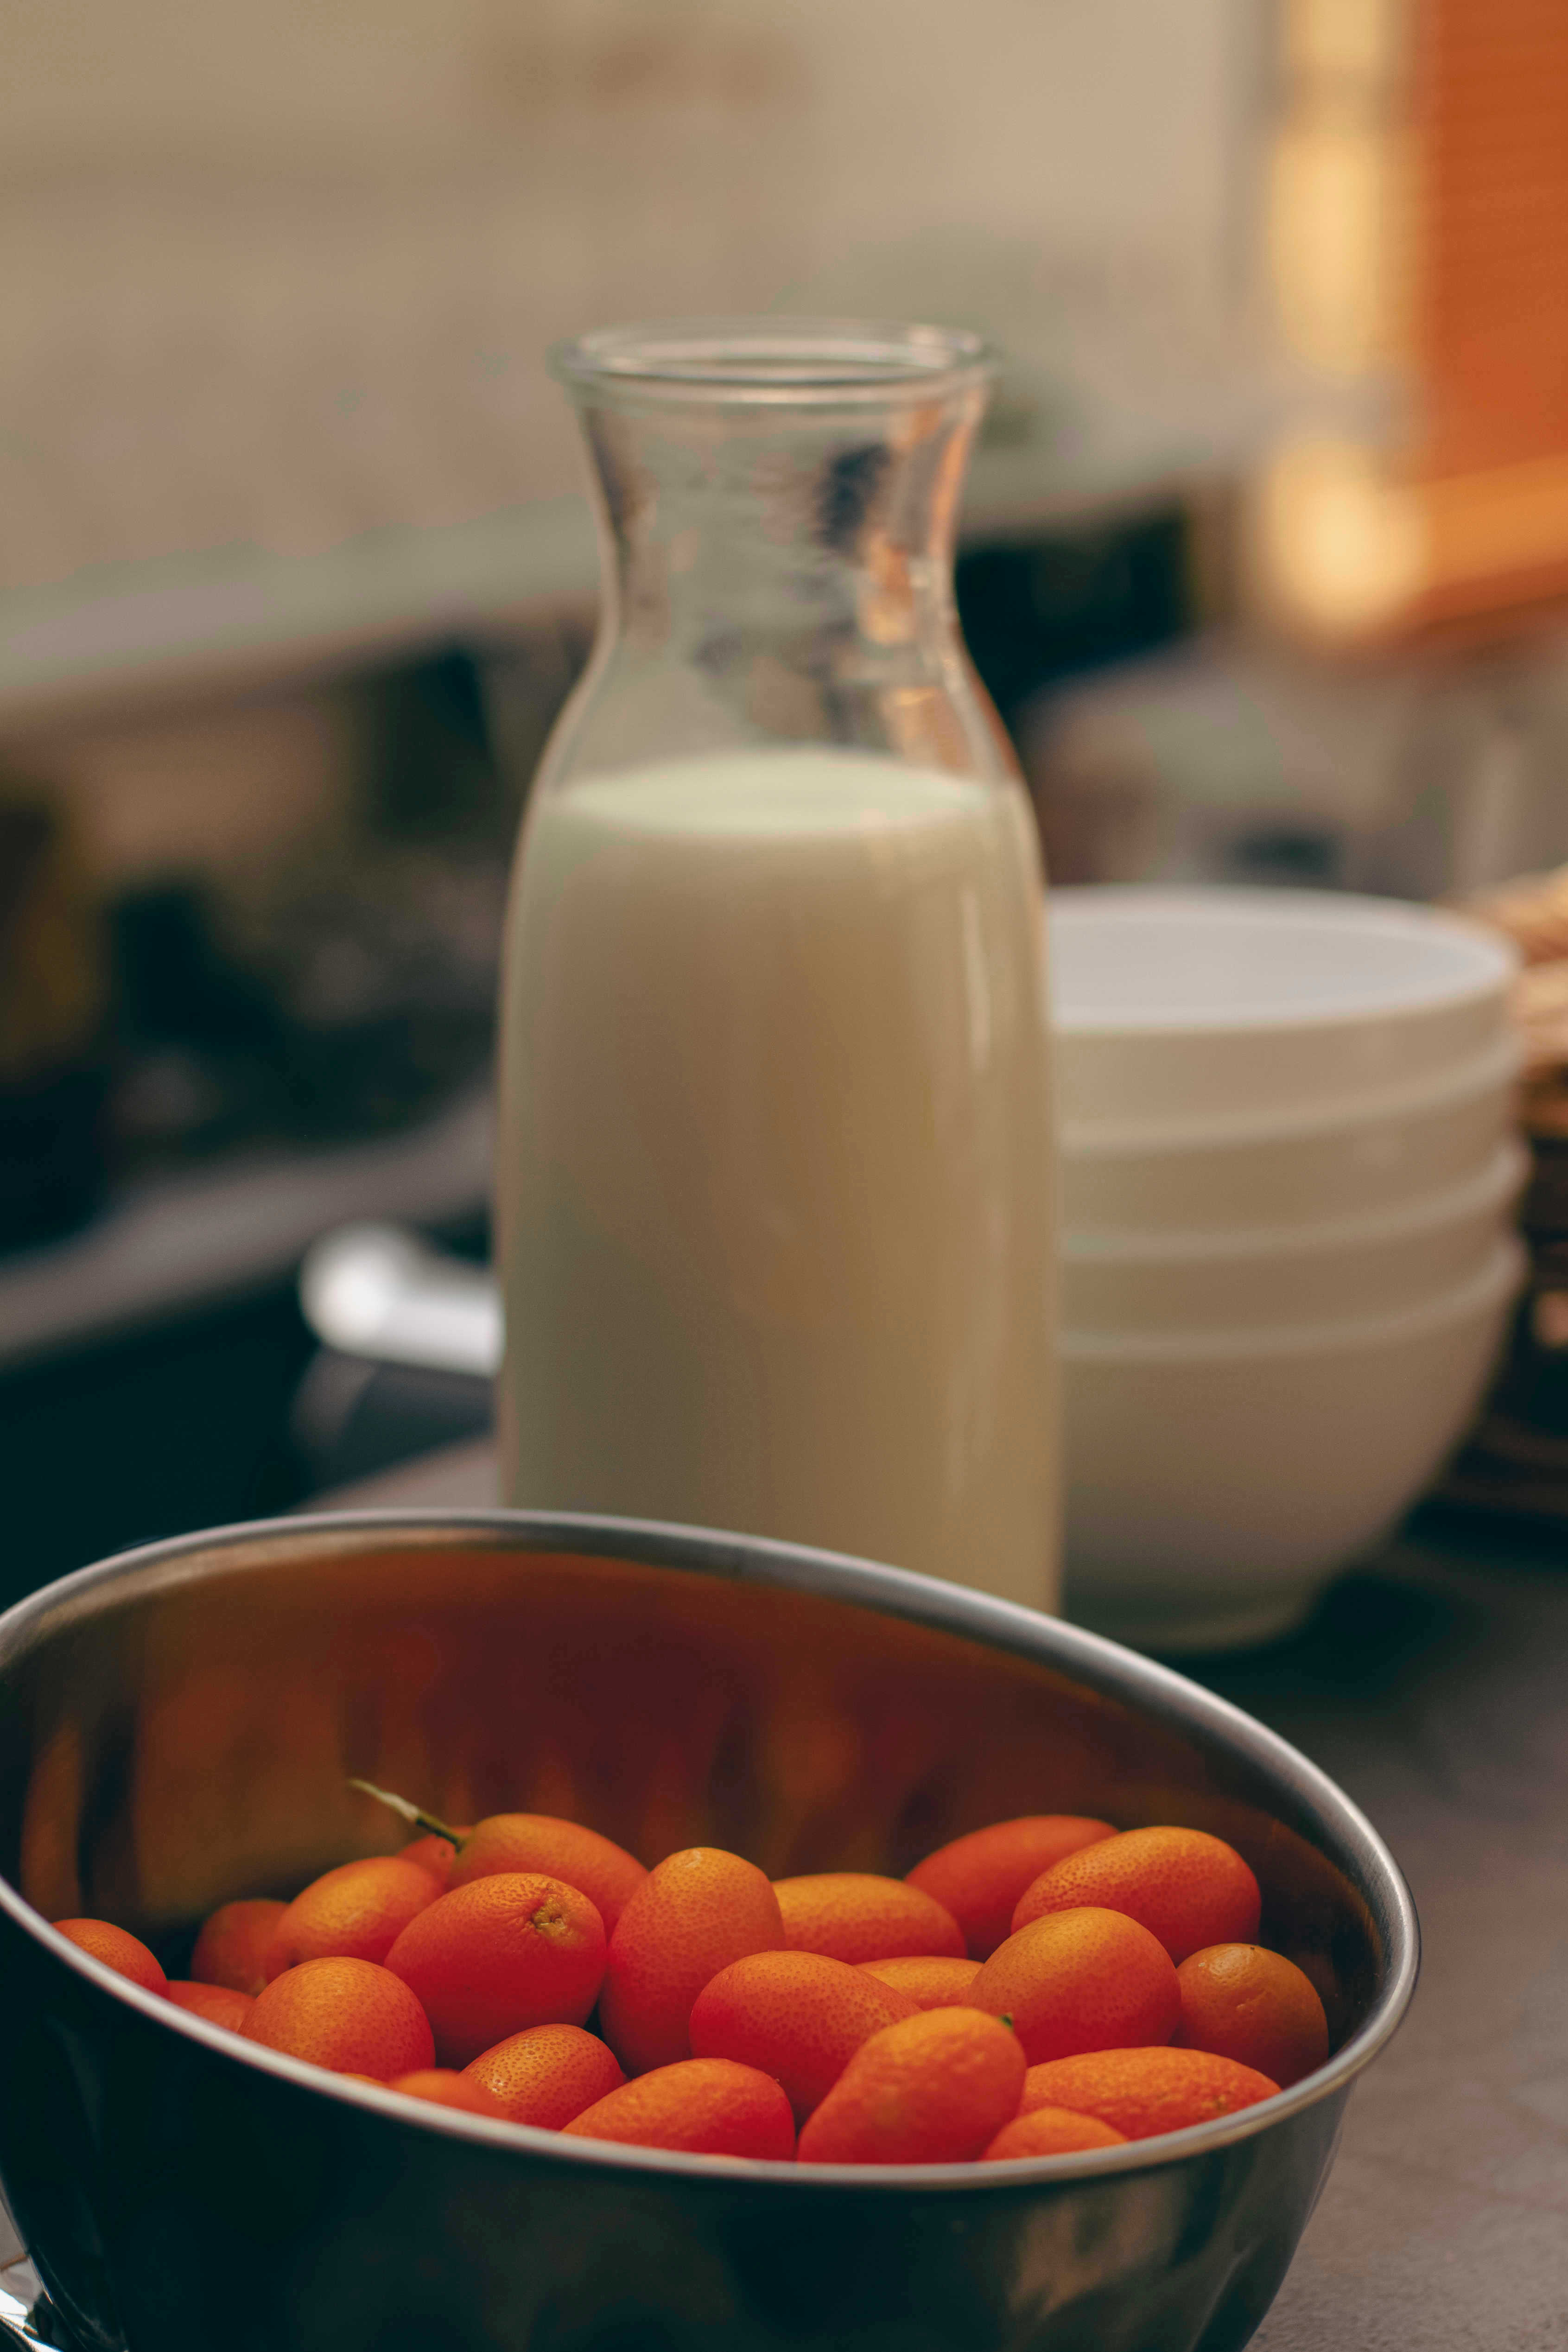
point(774, 1172)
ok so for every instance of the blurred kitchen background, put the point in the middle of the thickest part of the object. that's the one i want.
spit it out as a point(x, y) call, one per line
point(1262, 561)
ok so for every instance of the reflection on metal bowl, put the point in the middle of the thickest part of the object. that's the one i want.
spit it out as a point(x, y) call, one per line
point(176, 1728)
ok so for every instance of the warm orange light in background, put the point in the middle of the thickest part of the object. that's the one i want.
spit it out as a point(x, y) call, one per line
point(1345, 43)
point(1491, 336)
point(1333, 203)
point(1418, 232)
point(1338, 193)
point(1341, 547)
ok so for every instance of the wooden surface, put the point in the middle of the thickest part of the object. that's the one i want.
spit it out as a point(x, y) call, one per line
point(1433, 1686)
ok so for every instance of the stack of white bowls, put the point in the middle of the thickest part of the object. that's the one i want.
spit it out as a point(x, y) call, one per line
point(1289, 1174)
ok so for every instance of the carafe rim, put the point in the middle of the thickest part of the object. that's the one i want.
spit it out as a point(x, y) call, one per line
point(751, 360)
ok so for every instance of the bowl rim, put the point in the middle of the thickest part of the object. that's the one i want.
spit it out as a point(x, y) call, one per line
point(1500, 1177)
point(1494, 962)
point(1104, 1665)
point(1497, 1067)
point(1493, 1283)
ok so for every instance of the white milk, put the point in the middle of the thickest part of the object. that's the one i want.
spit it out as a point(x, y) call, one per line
point(773, 1173)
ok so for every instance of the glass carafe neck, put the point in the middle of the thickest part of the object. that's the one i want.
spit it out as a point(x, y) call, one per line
point(779, 522)
point(778, 502)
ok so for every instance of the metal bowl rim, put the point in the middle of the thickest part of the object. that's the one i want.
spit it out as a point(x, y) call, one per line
point(1103, 1664)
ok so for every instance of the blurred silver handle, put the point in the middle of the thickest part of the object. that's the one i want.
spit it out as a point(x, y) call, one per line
point(379, 1292)
point(22, 2302)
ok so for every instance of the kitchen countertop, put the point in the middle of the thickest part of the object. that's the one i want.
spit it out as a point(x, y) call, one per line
point(1433, 1686)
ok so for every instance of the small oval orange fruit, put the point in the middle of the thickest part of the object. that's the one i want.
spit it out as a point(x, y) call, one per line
point(930, 1982)
point(547, 2074)
point(1185, 1887)
point(433, 1854)
point(1053, 2131)
point(219, 2004)
point(853, 1914)
point(1145, 2091)
point(1241, 2002)
point(1082, 1979)
point(126, 1955)
point(695, 1913)
point(351, 2016)
point(232, 1946)
point(356, 1912)
point(935, 2088)
point(538, 1842)
point(979, 1878)
point(798, 2016)
point(444, 2088)
point(497, 1955)
point(706, 2106)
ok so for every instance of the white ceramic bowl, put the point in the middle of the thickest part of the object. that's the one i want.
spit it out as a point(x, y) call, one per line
point(1285, 1169)
point(1380, 1262)
point(1215, 1482)
point(1187, 1005)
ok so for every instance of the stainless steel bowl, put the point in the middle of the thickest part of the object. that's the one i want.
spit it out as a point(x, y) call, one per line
point(177, 1727)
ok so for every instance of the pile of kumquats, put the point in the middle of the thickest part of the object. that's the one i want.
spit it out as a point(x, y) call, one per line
point(1044, 1985)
